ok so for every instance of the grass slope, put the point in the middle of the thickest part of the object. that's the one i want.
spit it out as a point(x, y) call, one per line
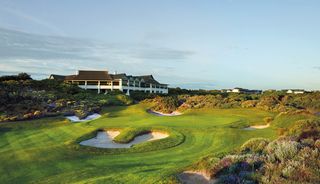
point(38, 152)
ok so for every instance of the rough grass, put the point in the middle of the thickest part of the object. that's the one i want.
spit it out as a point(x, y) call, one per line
point(39, 151)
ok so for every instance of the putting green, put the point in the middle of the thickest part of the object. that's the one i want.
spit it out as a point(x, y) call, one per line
point(39, 151)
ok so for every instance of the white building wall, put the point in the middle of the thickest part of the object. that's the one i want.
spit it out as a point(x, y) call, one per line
point(150, 89)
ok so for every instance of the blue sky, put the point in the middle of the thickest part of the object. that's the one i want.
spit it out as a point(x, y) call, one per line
point(267, 44)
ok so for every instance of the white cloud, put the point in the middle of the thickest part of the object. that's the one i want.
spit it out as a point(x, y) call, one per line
point(23, 52)
point(28, 18)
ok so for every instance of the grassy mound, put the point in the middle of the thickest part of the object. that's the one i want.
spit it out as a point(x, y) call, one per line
point(128, 134)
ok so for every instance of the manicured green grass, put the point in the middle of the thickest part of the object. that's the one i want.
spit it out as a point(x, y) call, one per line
point(39, 151)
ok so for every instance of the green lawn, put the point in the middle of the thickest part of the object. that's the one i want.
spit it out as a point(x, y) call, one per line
point(38, 151)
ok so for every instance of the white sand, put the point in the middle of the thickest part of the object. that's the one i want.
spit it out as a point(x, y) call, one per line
point(77, 119)
point(254, 127)
point(191, 177)
point(113, 133)
point(105, 139)
point(157, 113)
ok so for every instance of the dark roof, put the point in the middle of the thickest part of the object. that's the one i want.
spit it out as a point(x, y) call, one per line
point(104, 75)
point(148, 79)
point(119, 76)
point(90, 75)
point(69, 77)
point(57, 77)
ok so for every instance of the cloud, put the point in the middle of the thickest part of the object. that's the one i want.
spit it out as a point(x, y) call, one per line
point(162, 54)
point(31, 19)
point(317, 67)
point(24, 52)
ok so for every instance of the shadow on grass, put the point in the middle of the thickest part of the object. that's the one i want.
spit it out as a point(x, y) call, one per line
point(36, 123)
point(113, 111)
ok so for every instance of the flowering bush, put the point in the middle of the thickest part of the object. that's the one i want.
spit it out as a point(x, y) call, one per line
point(283, 150)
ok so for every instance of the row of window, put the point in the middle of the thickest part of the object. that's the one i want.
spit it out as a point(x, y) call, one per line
point(102, 83)
point(115, 83)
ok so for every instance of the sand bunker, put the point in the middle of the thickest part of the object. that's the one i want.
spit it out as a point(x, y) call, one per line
point(157, 113)
point(191, 177)
point(77, 119)
point(257, 127)
point(104, 139)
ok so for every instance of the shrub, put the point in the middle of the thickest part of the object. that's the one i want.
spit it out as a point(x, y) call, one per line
point(20, 76)
point(206, 163)
point(283, 150)
point(306, 129)
point(317, 144)
point(139, 96)
point(249, 103)
point(254, 145)
point(307, 142)
point(267, 119)
point(166, 104)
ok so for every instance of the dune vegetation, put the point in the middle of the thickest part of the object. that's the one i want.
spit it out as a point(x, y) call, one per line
point(210, 136)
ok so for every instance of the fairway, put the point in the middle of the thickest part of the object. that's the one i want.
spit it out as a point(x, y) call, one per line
point(39, 151)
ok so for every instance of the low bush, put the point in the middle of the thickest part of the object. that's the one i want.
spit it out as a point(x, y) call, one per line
point(305, 129)
point(255, 145)
point(139, 96)
point(166, 104)
point(289, 159)
point(283, 150)
point(29, 99)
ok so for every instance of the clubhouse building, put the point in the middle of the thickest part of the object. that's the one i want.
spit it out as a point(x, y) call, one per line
point(103, 82)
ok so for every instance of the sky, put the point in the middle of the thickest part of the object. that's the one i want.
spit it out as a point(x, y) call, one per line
point(207, 44)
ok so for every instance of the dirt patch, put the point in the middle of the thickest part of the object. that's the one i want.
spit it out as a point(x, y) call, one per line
point(254, 127)
point(104, 139)
point(191, 177)
point(157, 113)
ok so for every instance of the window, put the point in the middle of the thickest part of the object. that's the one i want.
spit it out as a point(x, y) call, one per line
point(92, 83)
point(105, 83)
point(116, 83)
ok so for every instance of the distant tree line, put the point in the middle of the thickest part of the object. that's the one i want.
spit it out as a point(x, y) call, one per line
point(24, 98)
point(20, 76)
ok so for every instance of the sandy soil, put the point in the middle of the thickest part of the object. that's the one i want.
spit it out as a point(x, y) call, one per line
point(157, 113)
point(105, 139)
point(198, 177)
point(257, 127)
point(90, 117)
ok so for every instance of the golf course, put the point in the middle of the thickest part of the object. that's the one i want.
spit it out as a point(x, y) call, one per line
point(47, 150)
